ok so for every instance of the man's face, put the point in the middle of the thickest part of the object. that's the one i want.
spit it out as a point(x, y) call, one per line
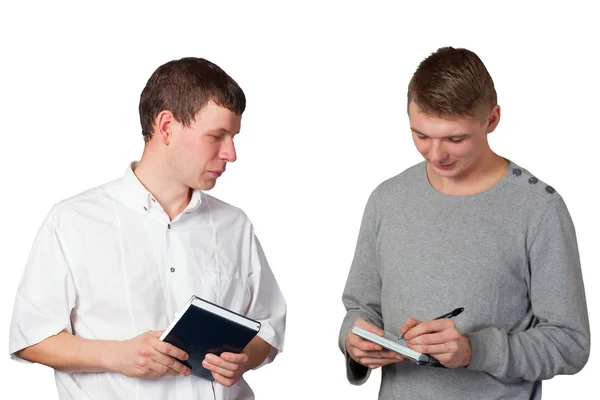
point(452, 147)
point(198, 155)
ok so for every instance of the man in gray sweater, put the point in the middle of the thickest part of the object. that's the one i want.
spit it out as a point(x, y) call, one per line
point(465, 228)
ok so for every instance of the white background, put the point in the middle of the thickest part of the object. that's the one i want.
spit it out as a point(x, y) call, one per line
point(325, 123)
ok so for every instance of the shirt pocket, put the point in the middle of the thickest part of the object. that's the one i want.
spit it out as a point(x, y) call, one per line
point(225, 290)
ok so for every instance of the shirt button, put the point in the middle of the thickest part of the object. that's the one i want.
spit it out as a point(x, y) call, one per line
point(169, 226)
point(550, 189)
point(533, 180)
point(517, 172)
point(172, 269)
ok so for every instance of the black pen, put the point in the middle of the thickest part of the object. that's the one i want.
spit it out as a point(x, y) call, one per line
point(451, 314)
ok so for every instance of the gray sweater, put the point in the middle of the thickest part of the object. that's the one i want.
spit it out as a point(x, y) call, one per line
point(507, 255)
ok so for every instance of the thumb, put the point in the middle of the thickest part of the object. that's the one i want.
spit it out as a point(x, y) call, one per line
point(370, 327)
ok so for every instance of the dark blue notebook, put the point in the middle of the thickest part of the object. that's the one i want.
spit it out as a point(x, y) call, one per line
point(203, 327)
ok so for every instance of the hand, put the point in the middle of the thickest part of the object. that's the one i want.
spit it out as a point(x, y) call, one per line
point(146, 356)
point(366, 352)
point(440, 339)
point(228, 368)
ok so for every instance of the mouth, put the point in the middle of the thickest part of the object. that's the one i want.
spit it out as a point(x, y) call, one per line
point(444, 166)
point(216, 173)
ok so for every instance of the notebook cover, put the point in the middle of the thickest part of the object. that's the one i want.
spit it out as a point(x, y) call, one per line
point(199, 331)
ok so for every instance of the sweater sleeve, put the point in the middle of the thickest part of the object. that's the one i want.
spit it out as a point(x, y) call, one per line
point(559, 341)
point(362, 294)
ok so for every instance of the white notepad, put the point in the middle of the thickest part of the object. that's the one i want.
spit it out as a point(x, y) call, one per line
point(397, 345)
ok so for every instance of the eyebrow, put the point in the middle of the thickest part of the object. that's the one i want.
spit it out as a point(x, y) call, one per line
point(455, 135)
point(222, 130)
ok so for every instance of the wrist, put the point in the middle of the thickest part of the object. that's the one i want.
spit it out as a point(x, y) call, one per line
point(244, 366)
point(108, 353)
point(467, 353)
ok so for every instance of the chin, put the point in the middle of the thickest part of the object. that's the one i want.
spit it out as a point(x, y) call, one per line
point(205, 185)
point(456, 170)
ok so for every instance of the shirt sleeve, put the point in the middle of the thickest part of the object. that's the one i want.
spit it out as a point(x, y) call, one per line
point(267, 304)
point(46, 293)
point(559, 341)
point(362, 294)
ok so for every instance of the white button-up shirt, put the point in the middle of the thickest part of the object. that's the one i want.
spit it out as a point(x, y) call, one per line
point(108, 264)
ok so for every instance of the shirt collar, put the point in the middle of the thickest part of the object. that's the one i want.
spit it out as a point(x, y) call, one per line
point(135, 195)
point(195, 201)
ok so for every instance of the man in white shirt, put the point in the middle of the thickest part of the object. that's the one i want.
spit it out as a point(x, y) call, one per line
point(110, 267)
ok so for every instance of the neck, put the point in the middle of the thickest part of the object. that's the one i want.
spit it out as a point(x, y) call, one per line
point(480, 177)
point(170, 194)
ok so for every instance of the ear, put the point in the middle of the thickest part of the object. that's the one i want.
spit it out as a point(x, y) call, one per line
point(164, 124)
point(493, 119)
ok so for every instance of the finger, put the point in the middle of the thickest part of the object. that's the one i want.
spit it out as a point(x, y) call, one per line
point(375, 354)
point(381, 354)
point(156, 334)
point(219, 362)
point(367, 326)
point(169, 349)
point(228, 373)
point(148, 367)
point(397, 356)
point(362, 344)
point(161, 369)
point(408, 324)
point(385, 359)
point(446, 359)
point(377, 362)
point(436, 349)
point(437, 325)
point(447, 335)
point(222, 379)
point(171, 363)
point(238, 358)
point(147, 373)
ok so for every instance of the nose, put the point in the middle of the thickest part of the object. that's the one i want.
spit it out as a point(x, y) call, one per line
point(437, 153)
point(227, 151)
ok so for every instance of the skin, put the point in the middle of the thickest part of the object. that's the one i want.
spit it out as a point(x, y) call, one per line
point(366, 352)
point(460, 162)
point(179, 159)
point(176, 160)
point(459, 159)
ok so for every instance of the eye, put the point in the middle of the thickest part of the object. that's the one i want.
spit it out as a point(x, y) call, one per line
point(456, 140)
point(421, 137)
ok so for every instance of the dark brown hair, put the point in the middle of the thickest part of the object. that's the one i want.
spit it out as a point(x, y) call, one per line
point(452, 82)
point(183, 87)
